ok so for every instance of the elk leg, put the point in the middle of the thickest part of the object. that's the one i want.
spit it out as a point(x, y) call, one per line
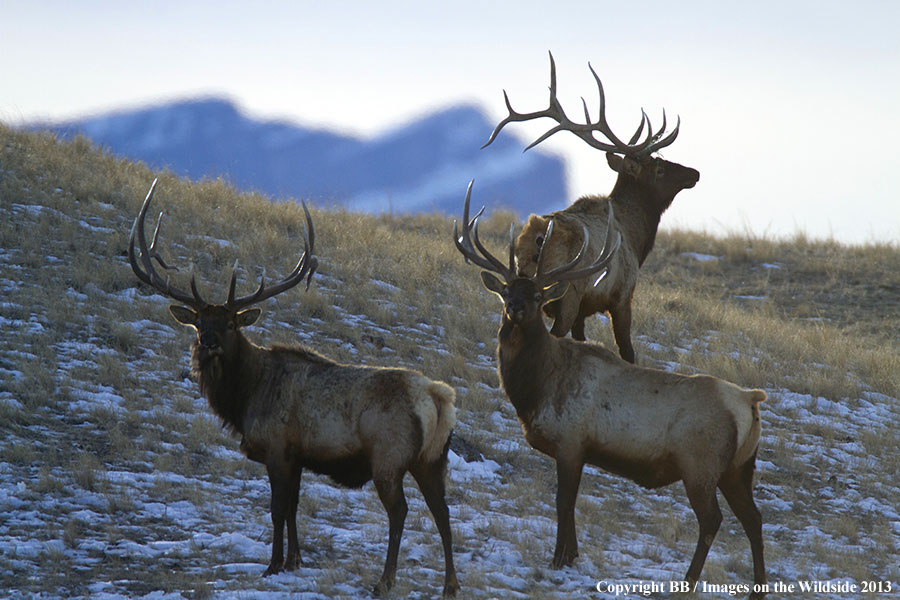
point(568, 474)
point(566, 313)
point(293, 552)
point(621, 322)
point(430, 479)
point(702, 498)
point(280, 487)
point(578, 328)
point(737, 487)
point(390, 491)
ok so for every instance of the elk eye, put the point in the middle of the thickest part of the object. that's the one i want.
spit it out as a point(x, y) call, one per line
point(539, 241)
point(231, 325)
point(537, 297)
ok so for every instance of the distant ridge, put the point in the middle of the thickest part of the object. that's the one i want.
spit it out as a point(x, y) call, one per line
point(423, 166)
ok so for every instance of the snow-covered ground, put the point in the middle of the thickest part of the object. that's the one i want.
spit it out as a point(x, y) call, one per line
point(116, 481)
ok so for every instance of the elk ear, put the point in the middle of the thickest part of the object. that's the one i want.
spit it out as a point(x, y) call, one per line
point(555, 291)
point(183, 315)
point(615, 162)
point(492, 282)
point(248, 317)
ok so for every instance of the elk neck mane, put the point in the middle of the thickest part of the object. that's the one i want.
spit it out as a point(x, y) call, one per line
point(521, 358)
point(637, 221)
point(229, 385)
point(639, 209)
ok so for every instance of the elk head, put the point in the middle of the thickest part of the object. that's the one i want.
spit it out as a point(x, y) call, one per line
point(523, 297)
point(217, 325)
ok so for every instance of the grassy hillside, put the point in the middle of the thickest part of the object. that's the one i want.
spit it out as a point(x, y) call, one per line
point(117, 480)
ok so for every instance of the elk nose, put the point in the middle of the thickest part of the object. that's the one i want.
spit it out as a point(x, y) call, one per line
point(209, 341)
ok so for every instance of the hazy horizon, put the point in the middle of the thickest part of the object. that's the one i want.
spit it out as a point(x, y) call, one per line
point(769, 95)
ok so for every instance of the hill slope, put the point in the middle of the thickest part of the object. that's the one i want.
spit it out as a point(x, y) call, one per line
point(414, 168)
point(116, 480)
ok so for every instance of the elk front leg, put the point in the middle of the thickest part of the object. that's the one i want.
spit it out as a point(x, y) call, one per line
point(621, 323)
point(566, 310)
point(568, 473)
point(279, 482)
point(293, 552)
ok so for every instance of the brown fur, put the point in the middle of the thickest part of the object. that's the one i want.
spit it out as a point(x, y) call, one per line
point(296, 409)
point(579, 403)
point(643, 191)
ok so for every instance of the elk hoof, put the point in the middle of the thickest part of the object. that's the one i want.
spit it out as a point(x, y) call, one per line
point(293, 562)
point(382, 588)
point(450, 589)
point(273, 569)
point(564, 559)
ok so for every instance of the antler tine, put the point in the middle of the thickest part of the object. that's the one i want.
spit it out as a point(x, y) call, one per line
point(539, 275)
point(153, 251)
point(640, 129)
point(514, 116)
point(567, 272)
point(601, 125)
point(232, 284)
point(148, 273)
point(659, 144)
point(547, 235)
point(194, 290)
point(465, 245)
point(307, 265)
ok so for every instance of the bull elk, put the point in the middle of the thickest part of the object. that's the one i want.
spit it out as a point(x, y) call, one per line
point(579, 403)
point(644, 189)
point(296, 409)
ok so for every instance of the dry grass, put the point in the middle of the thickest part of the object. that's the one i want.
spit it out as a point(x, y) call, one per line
point(809, 317)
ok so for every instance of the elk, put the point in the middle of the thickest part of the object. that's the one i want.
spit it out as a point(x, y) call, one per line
point(644, 189)
point(296, 409)
point(579, 403)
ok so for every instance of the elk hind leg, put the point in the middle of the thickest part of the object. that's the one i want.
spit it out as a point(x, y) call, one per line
point(702, 498)
point(737, 487)
point(430, 479)
point(389, 485)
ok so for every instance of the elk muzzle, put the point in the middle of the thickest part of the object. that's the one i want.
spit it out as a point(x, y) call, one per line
point(209, 341)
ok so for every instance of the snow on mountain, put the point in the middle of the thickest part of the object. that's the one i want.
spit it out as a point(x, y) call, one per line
point(423, 166)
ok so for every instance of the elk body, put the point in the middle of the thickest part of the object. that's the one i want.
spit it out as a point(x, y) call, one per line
point(580, 404)
point(644, 189)
point(296, 409)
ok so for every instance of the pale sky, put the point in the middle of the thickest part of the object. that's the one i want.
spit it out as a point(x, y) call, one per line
point(787, 108)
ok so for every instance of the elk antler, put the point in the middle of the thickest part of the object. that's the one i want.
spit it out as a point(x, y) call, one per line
point(146, 272)
point(652, 143)
point(486, 260)
point(149, 275)
point(568, 272)
point(306, 265)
